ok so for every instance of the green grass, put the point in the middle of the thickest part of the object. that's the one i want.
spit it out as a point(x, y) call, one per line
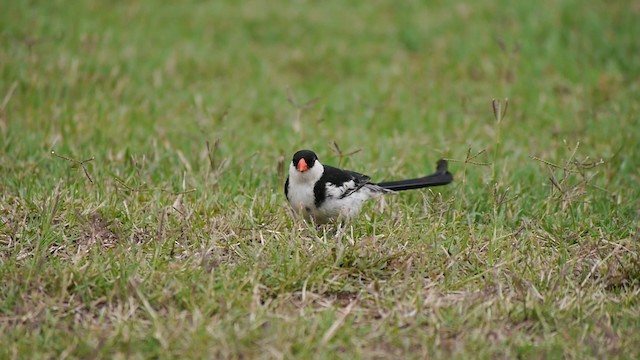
point(177, 243)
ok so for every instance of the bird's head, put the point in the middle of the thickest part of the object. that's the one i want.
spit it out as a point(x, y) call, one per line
point(305, 166)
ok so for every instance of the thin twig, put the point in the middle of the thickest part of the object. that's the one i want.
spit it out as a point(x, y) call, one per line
point(210, 154)
point(338, 322)
point(336, 149)
point(469, 158)
point(8, 95)
point(145, 189)
point(77, 163)
point(301, 106)
point(553, 165)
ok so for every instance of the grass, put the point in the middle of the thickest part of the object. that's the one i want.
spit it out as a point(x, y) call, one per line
point(158, 227)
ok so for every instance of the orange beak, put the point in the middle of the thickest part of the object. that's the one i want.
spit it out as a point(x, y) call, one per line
point(302, 166)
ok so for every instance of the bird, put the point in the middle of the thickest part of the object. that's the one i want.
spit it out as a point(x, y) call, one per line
point(323, 193)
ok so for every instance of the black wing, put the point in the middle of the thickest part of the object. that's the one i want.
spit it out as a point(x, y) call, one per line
point(286, 188)
point(340, 179)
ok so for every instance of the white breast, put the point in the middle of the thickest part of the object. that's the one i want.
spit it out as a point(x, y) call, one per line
point(301, 185)
point(301, 198)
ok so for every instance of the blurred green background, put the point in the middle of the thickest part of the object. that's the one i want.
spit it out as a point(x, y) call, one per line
point(198, 106)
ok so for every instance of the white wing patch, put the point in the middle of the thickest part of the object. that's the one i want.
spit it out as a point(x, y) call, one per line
point(337, 192)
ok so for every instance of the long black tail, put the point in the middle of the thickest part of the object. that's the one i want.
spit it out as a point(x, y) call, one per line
point(441, 177)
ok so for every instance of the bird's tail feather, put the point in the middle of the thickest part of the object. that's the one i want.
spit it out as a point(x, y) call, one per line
point(441, 177)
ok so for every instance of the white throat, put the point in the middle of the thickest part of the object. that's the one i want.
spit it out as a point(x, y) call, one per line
point(308, 177)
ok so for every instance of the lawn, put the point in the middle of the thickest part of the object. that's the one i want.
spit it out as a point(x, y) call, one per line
point(144, 146)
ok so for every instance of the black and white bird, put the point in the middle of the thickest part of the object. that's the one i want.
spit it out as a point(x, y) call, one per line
point(323, 193)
